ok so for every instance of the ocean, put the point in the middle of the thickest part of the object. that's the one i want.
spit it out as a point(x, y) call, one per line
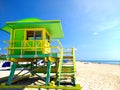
point(117, 62)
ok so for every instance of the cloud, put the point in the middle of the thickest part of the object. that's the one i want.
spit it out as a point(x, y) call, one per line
point(106, 25)
point(101, 10)
point(99, 15)
point(93, 7)
point(95, 33)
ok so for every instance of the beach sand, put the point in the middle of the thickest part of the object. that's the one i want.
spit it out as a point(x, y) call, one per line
point(94, 76)
point(98, 76)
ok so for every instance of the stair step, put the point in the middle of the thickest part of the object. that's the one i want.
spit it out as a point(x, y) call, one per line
point(67, 52)
point(67, 57)
point(67, 74)
point(67, 69)
point(68, 64)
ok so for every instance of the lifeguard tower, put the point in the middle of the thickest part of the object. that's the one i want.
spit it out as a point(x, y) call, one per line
point(34, 48)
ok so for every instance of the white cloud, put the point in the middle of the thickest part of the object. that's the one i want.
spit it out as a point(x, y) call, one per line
point(95, 33)
point(93, 7)
point(109, 25)
point(100, 15)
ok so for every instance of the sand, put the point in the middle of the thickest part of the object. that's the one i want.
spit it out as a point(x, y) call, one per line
point(98, 76)
point(94, 76)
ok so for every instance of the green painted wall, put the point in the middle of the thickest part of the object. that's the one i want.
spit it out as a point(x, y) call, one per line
point(19, 35)
point(18, 39)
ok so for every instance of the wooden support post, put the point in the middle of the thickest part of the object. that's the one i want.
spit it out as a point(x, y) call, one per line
point(60, 67)
point(31, 68)
point(48, 73)
point(74, 63)
point(13, 68)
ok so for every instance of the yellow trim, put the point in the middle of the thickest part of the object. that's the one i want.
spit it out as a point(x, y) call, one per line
point(74, 62)
point(77, 87)
point(14, 39)
point(60, 64)
point(44, 42)
point(24, 38)
point(11, 36)
point(30, 29)
point(33, 41)
point(52, 59)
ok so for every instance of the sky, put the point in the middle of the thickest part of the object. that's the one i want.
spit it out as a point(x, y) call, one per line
point(91, 26)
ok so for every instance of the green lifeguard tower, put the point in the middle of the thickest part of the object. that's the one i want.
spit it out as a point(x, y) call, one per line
point(32, 41)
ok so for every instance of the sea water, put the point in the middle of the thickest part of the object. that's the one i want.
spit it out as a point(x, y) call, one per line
point(117, 62)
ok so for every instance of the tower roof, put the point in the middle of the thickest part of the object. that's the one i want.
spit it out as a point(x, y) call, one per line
point(52, 26)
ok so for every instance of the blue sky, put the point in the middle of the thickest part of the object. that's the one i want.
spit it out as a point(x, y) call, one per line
point(91, 26)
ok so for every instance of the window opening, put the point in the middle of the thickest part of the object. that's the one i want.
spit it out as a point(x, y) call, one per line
point(30, 35)
point(34, 35)
point(38, 35)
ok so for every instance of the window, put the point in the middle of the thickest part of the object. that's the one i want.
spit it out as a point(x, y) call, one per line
point(30, 35)
point(38, 35)
point(34, 35)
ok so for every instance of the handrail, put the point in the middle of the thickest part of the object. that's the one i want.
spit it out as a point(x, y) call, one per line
point(58, 41)
point(34, 46)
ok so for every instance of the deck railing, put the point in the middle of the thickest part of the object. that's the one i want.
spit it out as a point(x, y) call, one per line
point(34, 45)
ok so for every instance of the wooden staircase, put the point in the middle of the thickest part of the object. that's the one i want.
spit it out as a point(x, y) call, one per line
point(68, 73)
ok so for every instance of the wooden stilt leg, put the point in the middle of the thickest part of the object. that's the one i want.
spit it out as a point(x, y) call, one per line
point(13, 68)
point(48, 73)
